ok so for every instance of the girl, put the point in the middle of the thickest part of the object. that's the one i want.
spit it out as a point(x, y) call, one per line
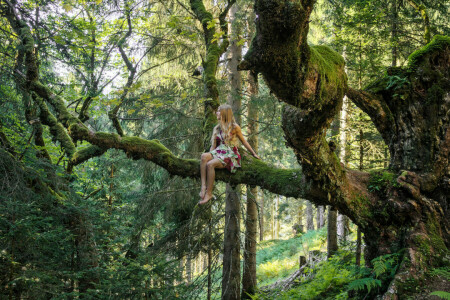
point(224, 152)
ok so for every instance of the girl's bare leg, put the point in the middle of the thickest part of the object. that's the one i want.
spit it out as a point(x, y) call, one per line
point(211, 174)
point(205, 158)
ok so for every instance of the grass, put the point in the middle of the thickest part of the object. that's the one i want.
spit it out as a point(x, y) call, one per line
point(276, 259)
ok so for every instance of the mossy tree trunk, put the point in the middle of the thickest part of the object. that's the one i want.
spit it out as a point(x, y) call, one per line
point(249, 284)
point(231, 276)
point(411, 113)
point(409, 107)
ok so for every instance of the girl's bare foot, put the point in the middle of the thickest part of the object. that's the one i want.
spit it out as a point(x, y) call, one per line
point(207, 197)
point(202, 192)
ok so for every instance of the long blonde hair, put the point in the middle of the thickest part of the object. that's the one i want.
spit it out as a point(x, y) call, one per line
point(226, 123)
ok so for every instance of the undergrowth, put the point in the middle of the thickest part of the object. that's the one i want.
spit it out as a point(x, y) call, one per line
point(339, 278)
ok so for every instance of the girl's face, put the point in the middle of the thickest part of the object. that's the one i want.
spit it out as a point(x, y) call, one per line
point(218, 114)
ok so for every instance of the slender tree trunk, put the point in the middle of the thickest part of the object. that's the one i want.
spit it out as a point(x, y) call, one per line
point(394, 33)
point(261, 217)
point(342, 220)
point(231, 277)
point(188, 269)
point(320, 216)
point(422, 10)
point(341, 228)
point(309, 216)
point(300, 213)
point(358, 247)
point(231, 260)
point(358, 232)
point(272, 223)
point(249, 274)
point(276, 217)
point(332, 245)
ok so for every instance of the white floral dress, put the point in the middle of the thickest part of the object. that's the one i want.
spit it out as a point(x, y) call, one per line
point(230, 157)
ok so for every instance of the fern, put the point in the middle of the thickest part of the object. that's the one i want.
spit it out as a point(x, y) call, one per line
point(441, 294)
point(444, 272)
point(363, 283)
point(385, 263)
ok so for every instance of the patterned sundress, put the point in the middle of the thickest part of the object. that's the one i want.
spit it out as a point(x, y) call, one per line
point(230, 157)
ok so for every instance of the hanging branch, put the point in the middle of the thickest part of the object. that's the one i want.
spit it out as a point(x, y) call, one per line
point(422, 10)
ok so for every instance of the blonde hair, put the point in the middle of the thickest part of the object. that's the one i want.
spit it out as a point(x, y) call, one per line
point(226, 123)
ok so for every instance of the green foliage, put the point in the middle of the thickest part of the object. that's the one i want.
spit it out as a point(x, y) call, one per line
point(371, 282)
point(326, 281)
point(381, 181)
point(363, 284)
point(441, 294)
point(444, 272)
point(439, 42)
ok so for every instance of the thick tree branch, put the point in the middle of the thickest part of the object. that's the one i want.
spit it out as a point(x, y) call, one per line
point(56, 129)
point(288, 182)
point(376, 108)
point(84, 155)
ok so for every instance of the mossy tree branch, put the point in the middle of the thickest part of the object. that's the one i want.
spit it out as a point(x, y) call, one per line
point(213, 53)
point(422, 10)
point(375, 106)
point(287, 182)
point(132, 73)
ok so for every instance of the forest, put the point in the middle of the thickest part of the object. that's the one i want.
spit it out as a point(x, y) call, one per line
point(106, 107)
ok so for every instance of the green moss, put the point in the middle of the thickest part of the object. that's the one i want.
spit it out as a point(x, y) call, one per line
point(330, 65)
point(439, 42)
point(87, 153)
point(380, 181)
point(436, 241)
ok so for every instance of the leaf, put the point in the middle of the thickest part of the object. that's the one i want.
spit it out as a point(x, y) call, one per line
point(67, 7)
point(241, 42)
point(363, 283)
point(441, 294)
point(211, 24)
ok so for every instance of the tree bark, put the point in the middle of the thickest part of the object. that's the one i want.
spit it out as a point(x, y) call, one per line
point(249, 283)
point(332, 245)
point(410, 114)
point(231, 277)
point(309, 216)
point(320, 216)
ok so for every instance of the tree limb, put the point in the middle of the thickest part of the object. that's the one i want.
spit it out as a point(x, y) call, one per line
point(376, 108)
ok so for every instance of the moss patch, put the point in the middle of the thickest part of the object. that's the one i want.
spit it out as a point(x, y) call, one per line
point(439, 42)
point(332, 82)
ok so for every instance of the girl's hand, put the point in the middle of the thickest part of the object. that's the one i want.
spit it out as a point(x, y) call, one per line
point(256, 155)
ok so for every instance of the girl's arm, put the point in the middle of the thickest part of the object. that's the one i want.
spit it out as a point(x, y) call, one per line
point(214, 143)
point(244, 141)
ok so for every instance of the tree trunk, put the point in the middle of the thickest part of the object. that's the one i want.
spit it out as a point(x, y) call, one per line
point(251, 226)
point(358, 247)
point(231, 277)
point(341, 228)
point(309, 216)
point(188, 269)
point(249, 274)
point(231, 272)
point(394, 33)
point(301, 227)
point(332, 245)
point(410, 114)
point(320, 216)
point(87, 257)
point(261, 217)
point(276, 217)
